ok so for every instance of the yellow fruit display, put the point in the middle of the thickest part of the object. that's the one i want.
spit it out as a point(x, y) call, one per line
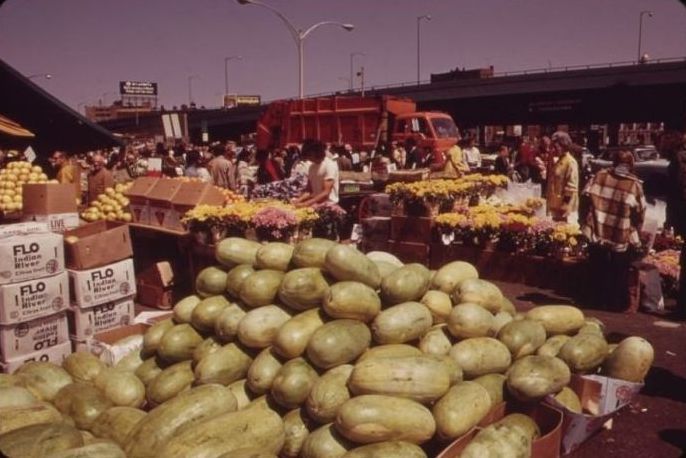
point(112, 205)
point(12, 178)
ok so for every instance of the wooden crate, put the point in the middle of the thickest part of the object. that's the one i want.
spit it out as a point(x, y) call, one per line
point(411, 229)
point(410, 251)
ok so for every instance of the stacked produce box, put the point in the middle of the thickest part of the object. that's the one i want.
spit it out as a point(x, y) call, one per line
point(34, 293)
point(102, 279)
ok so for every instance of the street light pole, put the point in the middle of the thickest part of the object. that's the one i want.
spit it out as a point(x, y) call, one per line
point(419, 20)
point(47, 76)
point(226, 71)
point(190, 89)
point(299, 36)
point(640, 31)
point(352, 56)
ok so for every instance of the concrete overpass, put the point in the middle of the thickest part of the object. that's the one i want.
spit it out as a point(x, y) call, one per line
point(609, 94)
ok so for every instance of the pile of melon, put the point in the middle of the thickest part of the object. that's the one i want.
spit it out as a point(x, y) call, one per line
point(317, 351)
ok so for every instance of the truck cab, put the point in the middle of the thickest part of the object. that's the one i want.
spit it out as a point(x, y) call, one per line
point(431, 130)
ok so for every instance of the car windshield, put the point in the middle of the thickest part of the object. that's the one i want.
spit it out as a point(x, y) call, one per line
point(444, 127)
point(647, 154)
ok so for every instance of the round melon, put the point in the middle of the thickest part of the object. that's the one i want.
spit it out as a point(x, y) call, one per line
point(338, 342)
point(344, 262)
point(234, 250)
point(522, 337)
point(274, 256)
point(353, 300)
point(451, 275)
point(439, 304)
point(210, 282)
point(303, 289)
point(261, 288)
point(480, 292)
point(311, 252)
point(470, 320)
point(184, 308)
point(382, 256)
point(408, 283)
point(83, 366)
point(630, 360)
point(235, 278)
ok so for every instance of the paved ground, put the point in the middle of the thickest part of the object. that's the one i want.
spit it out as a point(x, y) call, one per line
point(654, 424)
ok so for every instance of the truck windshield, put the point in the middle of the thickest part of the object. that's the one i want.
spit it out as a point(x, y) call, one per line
point(444, 127)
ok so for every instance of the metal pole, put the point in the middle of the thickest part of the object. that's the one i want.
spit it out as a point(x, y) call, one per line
point(362, 79)
point(640, 32)
point(419, 20)
point(226, 76)
point(298, 35)
point(301, 67)
point(352, 86)
point(190, 91)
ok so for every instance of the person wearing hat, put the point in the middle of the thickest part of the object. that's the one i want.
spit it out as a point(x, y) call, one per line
point(562, 193)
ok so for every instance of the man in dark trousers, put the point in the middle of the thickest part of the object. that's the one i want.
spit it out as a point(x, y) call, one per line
point(616, 210)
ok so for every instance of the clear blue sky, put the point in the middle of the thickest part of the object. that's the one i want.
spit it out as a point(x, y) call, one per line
point(90, 45)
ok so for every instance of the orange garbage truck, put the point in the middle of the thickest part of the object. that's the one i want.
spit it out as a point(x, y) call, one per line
point(362, 122)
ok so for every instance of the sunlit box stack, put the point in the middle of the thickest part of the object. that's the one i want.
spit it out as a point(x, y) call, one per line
point(101, 279)
point(34, 296)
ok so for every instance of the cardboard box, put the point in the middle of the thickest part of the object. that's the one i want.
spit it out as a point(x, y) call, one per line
point(110, 346)
point(28, 257)
point(59, 222)
point(190, 195)
point(159, 274)
point(548, 419)
point(51, 203)
point(98, 244)
point(601, 399)
point(28, 228)
point(138, 198)
point(28, 300)
point(54, 355)
point(48, 199)
point(36, 335)
point(160, 201)
point(85, 323)
point(103, 284)
point(155, 296)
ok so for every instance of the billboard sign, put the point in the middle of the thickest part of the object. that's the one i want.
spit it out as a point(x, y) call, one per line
point(138, 88)
point(235, 100)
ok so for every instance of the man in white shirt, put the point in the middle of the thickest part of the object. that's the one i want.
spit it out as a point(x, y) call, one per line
point(322, 185)
point(472, 154)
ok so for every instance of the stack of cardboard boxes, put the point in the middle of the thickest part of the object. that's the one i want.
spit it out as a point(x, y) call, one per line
point(34, 294)
point(162, 202)
point(101, 278)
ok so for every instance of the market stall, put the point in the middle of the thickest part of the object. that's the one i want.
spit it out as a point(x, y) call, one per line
point(284, 340)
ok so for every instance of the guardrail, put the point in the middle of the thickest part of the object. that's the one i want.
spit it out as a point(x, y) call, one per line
point(535, 71)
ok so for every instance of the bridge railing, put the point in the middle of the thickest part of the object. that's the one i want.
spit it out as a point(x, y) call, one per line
point(535, 71)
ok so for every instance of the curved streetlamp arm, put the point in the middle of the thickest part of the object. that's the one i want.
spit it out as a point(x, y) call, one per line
point(295, 33)
point(304, 34)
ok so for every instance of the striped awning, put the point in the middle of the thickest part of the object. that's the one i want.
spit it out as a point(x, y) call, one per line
point(9, 127)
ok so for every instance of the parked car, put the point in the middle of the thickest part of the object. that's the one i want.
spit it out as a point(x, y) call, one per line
point(648, 166)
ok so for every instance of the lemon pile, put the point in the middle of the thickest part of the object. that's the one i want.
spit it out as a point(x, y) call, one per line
point(12, 178)
point(111, 206)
